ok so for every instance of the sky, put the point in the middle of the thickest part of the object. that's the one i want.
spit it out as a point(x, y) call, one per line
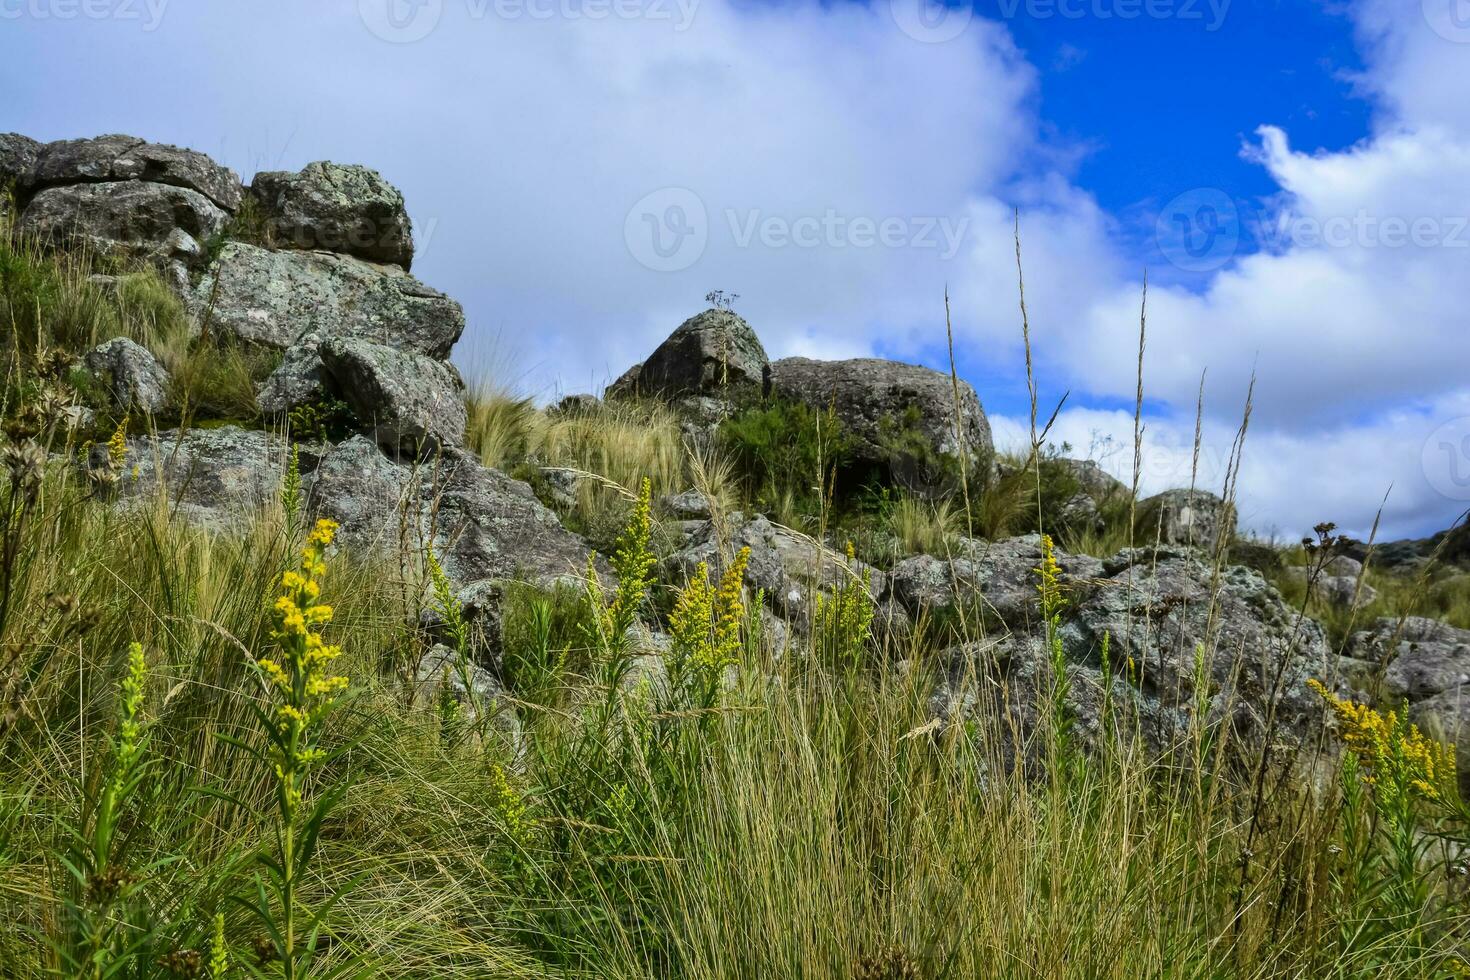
point(1292, 179)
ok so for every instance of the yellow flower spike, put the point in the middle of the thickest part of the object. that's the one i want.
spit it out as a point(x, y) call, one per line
point(1394, 753)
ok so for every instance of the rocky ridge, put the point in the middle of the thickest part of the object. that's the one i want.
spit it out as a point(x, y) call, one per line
point(323, 278)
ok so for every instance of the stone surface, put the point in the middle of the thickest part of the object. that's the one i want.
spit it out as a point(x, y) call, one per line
point(126, 158)
point(411, 402)
point(481, 523)
point(17, 160)
point(277, 298)
point(216, 477)
point(1426, 665)
point(130, 218)
point(691, 505)
point(1158, 613)
point(896, 414)
point(336, 207)
point(713, 352)
point(299, 379)
point(440, 671)
point(789, 567)
point(989, 581)
point(132, 374)
point(1186, 517)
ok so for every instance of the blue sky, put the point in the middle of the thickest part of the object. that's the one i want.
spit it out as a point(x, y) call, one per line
point(1294, 177)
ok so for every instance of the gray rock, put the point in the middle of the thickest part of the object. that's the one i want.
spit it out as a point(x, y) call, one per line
point(691, 505)
point(17, 159)
point(217, 478)
point(440, 671)
point(990, 581)
point(887, 408)
point(1161, 609)
point(128, 218)
point(277, 298)
point(625, 386)
point(106, 159)
point(1186, 517)
point(300, 379)
point(412, 402)
point(583, 404)
point(790, 568)
point(712, 352)
point(1426, 666)
point(132, 374)
point(339, 208)
point(481, 523)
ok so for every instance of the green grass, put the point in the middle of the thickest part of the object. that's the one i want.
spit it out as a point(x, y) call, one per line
point(811, 825)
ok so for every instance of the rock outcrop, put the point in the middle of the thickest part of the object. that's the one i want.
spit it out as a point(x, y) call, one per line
point(115, 158)
point(131, 373)
point(715, 353)
point(1186, 517)
point(789, 568)
point(337, 208)
point(277, 298)
point(1425, 665)
point(900, 417)
point(481, 523)
point(411, 402)
point(123, 218)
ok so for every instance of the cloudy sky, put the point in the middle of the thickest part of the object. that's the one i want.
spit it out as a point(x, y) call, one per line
point(1294, 177)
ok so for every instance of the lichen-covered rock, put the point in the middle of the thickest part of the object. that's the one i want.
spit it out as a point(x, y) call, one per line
point(216, 478)
point(481, 523)
point(991, 581)
point(278, 297)
point(1179, 641)
point(789, 567)
point(1425, 664)
point(132, 374)
point(1186, 517)
point(713, 352)
point(441, 674)
point(17, 160)
point(106, 159)
point(898, 416)
point(413, 403)
point(298, 380)
point(129, 218)
point(339, 208)
point(691, 505)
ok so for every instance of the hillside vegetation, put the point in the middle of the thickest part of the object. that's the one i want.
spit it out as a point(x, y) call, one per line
point(902, 725)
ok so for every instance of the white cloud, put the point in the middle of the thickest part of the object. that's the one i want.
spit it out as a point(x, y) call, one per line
point(523, 142)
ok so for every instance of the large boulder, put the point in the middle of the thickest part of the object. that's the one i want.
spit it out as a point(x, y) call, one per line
point(276, 298)
point(1423, 664)
point(130, 218)
point(712, 353)
point(17, 158)
point(336, 207)
point(1179, 639)
point(790, 568)
point(216, 477)
point(300, 378)
point(411, 402)
point(109, 159)
point(481, 523)
point(1186, 517)
point(131, 373)
point(898, 416)
point(986, 582)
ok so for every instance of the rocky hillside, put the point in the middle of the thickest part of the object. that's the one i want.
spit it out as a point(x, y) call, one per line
point(300, 284)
